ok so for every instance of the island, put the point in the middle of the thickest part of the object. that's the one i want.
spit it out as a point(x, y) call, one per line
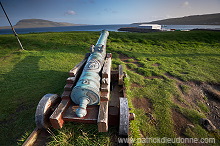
point(35, 23)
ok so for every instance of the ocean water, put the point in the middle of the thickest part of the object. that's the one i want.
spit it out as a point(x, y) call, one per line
point(101, 27)
point(190, 27)
point(65, 28)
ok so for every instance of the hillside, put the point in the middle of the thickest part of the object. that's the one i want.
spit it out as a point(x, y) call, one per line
point(33, 23)
point(208, 19)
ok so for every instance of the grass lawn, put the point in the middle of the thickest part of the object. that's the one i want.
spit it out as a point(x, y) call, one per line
point(168, 73)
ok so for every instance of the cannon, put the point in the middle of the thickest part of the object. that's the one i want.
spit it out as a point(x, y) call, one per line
point(86, 90)
point(94, 93)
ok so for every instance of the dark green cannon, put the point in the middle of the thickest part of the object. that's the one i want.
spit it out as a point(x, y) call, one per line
point(86, 92)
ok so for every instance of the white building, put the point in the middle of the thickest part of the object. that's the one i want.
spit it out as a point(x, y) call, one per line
point(150, 26)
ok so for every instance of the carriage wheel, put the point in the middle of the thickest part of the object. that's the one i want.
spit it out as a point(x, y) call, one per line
point(44, 109)
point(124, 117)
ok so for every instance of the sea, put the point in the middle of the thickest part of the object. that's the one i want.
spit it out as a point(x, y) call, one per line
point(101, 27)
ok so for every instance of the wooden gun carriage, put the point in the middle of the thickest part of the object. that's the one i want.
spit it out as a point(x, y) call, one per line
point(54, 110)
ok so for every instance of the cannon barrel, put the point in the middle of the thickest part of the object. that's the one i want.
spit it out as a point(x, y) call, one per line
point(87, 89)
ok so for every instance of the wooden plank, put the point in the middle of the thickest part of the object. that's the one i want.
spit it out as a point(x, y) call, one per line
point(106, 79)
point(73, 72)
point(103, 117)
point(105, 86)
point(71, 80)
point(113, 115)
point(106, 71)
point(68, 87)
point(66, 95)
point(56, 118)
point(120, 75)
point(114, 76)
point(105, 96)
point(32, 137)
point(124, 117)
point(114, 72)
point(91, 116)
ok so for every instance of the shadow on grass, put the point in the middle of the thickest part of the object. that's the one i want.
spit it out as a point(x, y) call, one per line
point(21, 89)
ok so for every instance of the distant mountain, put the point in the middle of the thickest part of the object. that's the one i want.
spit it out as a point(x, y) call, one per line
point(33, 23)
point(207, 19)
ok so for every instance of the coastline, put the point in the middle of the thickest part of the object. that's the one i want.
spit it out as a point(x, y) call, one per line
point(114, 28)
point(140, 30)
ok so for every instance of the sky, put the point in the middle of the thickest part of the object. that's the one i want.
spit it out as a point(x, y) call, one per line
point(100, 12)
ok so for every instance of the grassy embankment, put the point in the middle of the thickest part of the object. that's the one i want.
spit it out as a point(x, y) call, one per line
point(164, 69)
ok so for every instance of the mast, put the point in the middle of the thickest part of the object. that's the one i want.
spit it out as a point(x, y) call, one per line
point(12, 28)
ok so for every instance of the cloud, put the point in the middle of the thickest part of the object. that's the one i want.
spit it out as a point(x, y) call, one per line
point(70, 12)
point(185, 4)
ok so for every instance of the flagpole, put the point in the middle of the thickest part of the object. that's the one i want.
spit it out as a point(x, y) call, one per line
point(12, 28)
